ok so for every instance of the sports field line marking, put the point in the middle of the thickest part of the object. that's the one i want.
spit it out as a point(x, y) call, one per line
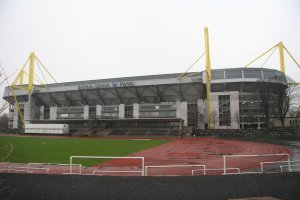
point(9, 151)
point(141, 139)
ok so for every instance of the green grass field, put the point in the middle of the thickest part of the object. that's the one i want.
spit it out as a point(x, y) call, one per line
point(59, 150)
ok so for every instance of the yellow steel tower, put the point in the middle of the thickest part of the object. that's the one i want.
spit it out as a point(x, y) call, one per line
point(208, 74)
point(207, 71)
point(18, 83)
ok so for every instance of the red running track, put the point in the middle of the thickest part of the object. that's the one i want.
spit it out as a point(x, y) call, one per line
point(205, 151)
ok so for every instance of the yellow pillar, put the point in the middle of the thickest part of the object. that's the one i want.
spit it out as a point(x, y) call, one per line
point(208, 74)
point(31, 71)
point(281, 57)
point(21, 77)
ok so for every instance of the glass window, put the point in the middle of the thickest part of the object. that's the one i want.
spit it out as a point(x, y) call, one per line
point(268, 74)
point(252, 73)
point(217, 74)
point(236, 73)
point(224, 110)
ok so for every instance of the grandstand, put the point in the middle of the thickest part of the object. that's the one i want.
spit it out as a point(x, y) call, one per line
point(154, 104)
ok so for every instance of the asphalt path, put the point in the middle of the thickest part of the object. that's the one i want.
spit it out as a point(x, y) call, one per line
point(39, 186)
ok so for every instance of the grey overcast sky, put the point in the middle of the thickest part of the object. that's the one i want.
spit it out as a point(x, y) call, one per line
point(97, 39)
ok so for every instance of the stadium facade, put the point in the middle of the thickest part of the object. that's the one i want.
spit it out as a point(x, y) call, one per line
point(148, 102)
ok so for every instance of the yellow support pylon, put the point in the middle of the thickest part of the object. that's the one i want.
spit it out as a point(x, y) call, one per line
point(282, 49)
point(18, 83)
point(208, 74)
point(31, 71)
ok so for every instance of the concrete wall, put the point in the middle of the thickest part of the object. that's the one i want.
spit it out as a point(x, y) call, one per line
point(234, 109)
point(201, 105)
point(136, 110)
point(15, 117)
point(121, 111)
point(181, 111)
point(86, 112)
point(98, 111)
point(26, 111)
point(42, 111)
point(53, 113)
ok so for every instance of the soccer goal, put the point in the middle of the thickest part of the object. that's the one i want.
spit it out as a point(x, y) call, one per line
point(254, 162)
point(140, 170)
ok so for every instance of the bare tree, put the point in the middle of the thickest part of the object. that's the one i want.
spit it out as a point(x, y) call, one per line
point(281, 102)
point(214, 118)
point(285, 98)
point(3, 122)
point(265, 94)
point(237, 118)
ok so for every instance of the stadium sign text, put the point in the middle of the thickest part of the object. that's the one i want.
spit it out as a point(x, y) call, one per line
point(106, 85)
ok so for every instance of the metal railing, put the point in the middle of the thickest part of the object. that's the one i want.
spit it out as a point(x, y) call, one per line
point(171, 166)
point(142, 171)
point(261, 155)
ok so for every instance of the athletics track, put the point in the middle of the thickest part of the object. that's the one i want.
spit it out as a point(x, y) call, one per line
point(185, 151)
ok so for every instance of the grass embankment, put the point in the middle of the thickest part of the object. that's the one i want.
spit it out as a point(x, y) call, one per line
point(59, 150)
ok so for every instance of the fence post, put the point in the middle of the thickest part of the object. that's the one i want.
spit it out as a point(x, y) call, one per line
point(143, 167)
point(289, 162)
point(224, 161)
point(71, 165)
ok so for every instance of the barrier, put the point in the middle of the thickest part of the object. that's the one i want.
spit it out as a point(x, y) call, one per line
point(261, 155)
point(114, 171)
point(58, 164)
point(275, 162)
point(16, 170)
point(291, 170)
point(170, 166)
point(109, 157)
point(26, 169)
point(215, 169)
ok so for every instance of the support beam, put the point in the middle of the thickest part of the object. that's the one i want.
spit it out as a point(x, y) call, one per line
point(101, 99)
point(68, 100)
point(53, 99)
point(180, 93)
point(31, 71)
point(137, 94)
point(84, 100)
point(38, 101)
point(281, 57)
point(119, 96)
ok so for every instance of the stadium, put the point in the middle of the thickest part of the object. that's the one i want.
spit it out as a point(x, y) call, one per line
point(154, 102)
point(123, 114)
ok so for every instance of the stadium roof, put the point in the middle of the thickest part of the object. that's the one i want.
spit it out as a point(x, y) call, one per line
point(146, 89)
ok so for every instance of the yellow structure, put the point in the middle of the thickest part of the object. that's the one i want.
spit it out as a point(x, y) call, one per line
point(18, 83)
point(282, 49)
point(208, 73)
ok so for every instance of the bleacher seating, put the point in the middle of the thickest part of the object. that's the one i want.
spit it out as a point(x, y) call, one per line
point(118, 132)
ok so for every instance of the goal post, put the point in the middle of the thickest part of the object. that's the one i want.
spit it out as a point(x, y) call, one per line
point(142, 171)
point(249, 156)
